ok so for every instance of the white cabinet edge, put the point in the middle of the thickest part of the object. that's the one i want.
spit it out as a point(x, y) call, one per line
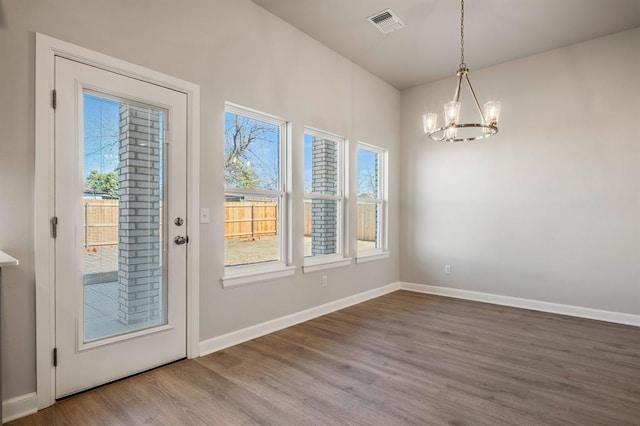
point(6, 260)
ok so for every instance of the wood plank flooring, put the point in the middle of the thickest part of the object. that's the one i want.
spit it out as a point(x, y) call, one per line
point(403, 358)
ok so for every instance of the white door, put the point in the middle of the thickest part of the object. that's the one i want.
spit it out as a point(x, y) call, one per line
point(120, 202)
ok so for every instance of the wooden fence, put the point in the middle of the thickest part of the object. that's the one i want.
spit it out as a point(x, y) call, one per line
point(366, 222)
point(247, 219)
point(241, 220)
point(100, 223)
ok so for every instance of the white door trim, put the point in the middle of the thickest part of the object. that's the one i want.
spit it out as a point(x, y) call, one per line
point(47, 48)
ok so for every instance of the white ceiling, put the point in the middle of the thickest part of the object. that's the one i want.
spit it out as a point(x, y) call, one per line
point(428, 49)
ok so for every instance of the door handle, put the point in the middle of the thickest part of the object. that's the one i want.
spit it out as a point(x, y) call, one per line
point(179, 240)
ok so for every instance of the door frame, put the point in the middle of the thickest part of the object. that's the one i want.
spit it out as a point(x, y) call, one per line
point(47, 48)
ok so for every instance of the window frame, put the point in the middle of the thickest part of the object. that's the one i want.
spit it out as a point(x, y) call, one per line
point(340, 258)
point(236, 275)
point(382, 251)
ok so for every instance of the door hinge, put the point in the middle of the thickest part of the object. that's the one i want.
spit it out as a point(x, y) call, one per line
point(55, 357)
point(54, 98)
point(54, 227)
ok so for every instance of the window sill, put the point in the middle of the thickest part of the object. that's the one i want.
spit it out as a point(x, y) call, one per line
point(244, 277)
point(373, 256)
point(320, 264)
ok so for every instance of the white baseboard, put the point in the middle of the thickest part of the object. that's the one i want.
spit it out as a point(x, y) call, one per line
point(19, 406)
point(536, 305)
point(236, 337)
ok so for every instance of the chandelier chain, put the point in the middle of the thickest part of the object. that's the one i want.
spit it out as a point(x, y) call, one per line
point(462, 64)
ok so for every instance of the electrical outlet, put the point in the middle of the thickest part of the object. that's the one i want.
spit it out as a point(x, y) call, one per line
point(324, 281)
point(447, 269)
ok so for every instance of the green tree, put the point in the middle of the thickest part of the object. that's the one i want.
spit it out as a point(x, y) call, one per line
point(106, 182)
point(241, 175)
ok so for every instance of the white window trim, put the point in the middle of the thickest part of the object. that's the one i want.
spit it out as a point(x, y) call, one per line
point(382, 252)
point(329, 261)
point(238, 275)
point(249, 274)
point(338, 259)
point(372, 256)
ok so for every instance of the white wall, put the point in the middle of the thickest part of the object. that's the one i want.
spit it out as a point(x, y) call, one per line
point(549, 209)
point(236, 52)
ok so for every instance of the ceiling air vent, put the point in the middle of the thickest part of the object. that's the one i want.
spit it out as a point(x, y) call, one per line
point(386, 21)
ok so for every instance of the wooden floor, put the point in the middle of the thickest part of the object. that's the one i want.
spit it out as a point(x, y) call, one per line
point(404, 358)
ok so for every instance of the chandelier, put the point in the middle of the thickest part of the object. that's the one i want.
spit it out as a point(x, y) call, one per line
point(453, 130)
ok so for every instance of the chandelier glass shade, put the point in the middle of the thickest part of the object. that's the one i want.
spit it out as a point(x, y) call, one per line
point(453, 130)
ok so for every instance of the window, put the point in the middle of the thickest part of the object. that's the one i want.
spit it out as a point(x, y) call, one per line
point(255, 205)
point(371, 206)
point(323, 199)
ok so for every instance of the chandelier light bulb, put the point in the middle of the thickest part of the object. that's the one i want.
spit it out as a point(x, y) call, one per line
point(492, 112)
point(450, 133)
point(451, 113)
point(429, 121)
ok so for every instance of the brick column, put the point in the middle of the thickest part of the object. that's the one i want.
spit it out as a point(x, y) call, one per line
point(323, 212)
point(139, 245)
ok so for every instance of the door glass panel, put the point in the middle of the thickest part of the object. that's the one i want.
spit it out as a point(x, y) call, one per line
point(124, 284)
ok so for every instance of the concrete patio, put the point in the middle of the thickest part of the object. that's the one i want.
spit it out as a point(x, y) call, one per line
point(101, 304)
